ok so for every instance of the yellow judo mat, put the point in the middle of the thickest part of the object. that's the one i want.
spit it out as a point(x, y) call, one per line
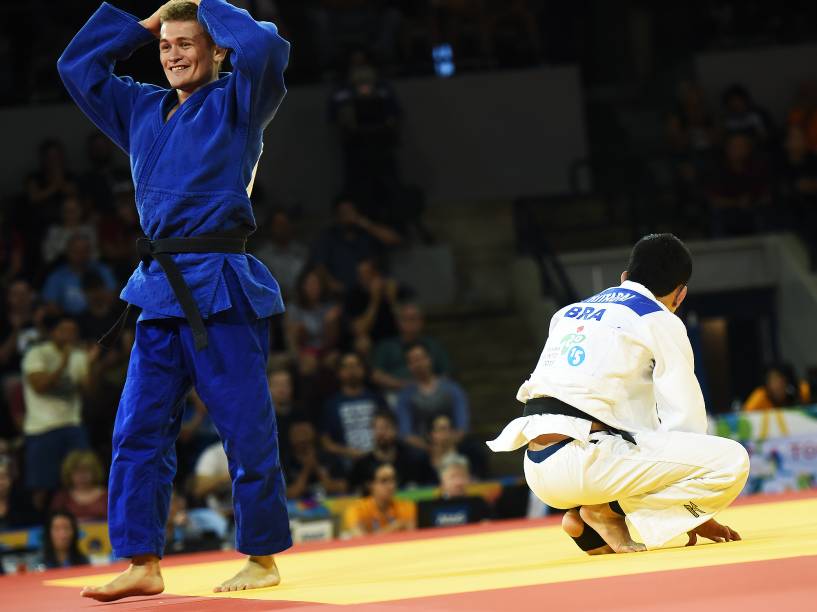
point(493, 558)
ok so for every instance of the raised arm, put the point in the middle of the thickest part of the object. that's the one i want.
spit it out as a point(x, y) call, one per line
point(258, 54)
point(86, 68)
point(677, 391)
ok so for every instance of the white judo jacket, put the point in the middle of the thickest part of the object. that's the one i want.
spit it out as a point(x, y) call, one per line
point(620, 356)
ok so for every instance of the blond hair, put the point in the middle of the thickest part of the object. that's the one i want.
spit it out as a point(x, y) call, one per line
point(77, 459)
point(179, 10)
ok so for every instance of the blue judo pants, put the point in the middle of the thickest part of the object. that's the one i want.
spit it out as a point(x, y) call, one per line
point(230, 377)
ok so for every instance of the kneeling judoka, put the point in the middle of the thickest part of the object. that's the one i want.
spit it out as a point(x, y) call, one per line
point(205, 302)
point(614, 417)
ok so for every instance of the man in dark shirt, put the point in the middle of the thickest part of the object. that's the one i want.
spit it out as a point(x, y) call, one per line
point(310, 472)
point(347, 419)
point(411, 464)
point(371, 306)
point(349, 240)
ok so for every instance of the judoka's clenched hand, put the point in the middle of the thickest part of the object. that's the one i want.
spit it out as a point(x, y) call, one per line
point(712, 530)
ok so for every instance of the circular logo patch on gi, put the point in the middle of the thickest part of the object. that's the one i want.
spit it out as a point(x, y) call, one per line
point(575, 356)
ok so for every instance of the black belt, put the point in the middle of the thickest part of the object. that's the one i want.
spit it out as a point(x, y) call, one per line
point(551, 405)
point(234, 241)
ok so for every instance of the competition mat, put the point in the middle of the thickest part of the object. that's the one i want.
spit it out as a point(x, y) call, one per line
point(511, 565)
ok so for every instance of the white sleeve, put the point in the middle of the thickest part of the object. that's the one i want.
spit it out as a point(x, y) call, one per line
point(680, 402)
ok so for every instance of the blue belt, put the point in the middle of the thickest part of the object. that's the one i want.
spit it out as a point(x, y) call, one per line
point(540, 455)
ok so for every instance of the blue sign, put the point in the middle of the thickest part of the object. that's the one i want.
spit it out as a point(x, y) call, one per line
point(575, 356)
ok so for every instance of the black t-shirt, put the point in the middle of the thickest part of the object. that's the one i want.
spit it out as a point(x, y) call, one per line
point(412, 465)
point(385, 324)
point(293, 469)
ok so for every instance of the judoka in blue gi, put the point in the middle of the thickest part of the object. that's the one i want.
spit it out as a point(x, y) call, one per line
point(205, 303)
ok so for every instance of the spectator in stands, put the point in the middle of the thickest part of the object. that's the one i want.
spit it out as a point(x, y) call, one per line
point(455, 476)
point(411, 464)
point(804, 112)
point(63, 287)
point(17, 326)
point(442, 444)
point(741, 115)
point(104, 175)
point(311, 473)
point(429, 395)
point(454, 505)
point(284, 256)
point(739, 189)
point(691, 132)
point(211, 480)
point(84, 493)
point(55, 373)
point(380, 512)
point(367, 114)
point(12, 248)
point(118, 232)
point(15, 507)
point(48, 187)
point(370, 307)
point(61, 542)
point(286, 411)
point(18, 330)
point(349, 240)
point(798, 188)
point(103, 309)
point(347, 418)
point(99, 405)
point(192, 530)
point(390, 369)
point(72, 223)
point(782, 389)
point(313, 321)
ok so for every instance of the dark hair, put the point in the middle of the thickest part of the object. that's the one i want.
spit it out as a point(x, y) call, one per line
point(50, 321)
point(374, 467)
point(75, 557)
point(417, 344)
point(385, 413)
point(786, 370)
point(300, 283)
point(736, 90)
point(341, 198)
point(660, 262)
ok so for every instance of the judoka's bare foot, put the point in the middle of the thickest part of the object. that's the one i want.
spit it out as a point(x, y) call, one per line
point(574, 526)
point(611, 527)
point(143, 577)
point(257, 573)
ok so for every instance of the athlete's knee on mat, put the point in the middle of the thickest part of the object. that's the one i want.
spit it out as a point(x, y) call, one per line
point(739, 460)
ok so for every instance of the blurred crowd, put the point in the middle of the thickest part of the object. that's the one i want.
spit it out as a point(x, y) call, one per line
point(741, 170)
point(400, 34)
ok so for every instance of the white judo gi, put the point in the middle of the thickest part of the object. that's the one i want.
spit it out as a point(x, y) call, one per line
point(623, 358)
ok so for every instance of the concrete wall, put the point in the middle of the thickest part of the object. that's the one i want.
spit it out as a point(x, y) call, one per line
point(489, 135)
point(772, 74)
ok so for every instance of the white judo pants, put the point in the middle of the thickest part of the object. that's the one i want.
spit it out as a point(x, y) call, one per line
point(667, 484)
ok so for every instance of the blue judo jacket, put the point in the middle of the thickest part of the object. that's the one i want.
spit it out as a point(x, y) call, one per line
point(190, 173)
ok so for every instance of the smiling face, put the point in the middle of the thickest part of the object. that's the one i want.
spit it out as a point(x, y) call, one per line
point(189, 57)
